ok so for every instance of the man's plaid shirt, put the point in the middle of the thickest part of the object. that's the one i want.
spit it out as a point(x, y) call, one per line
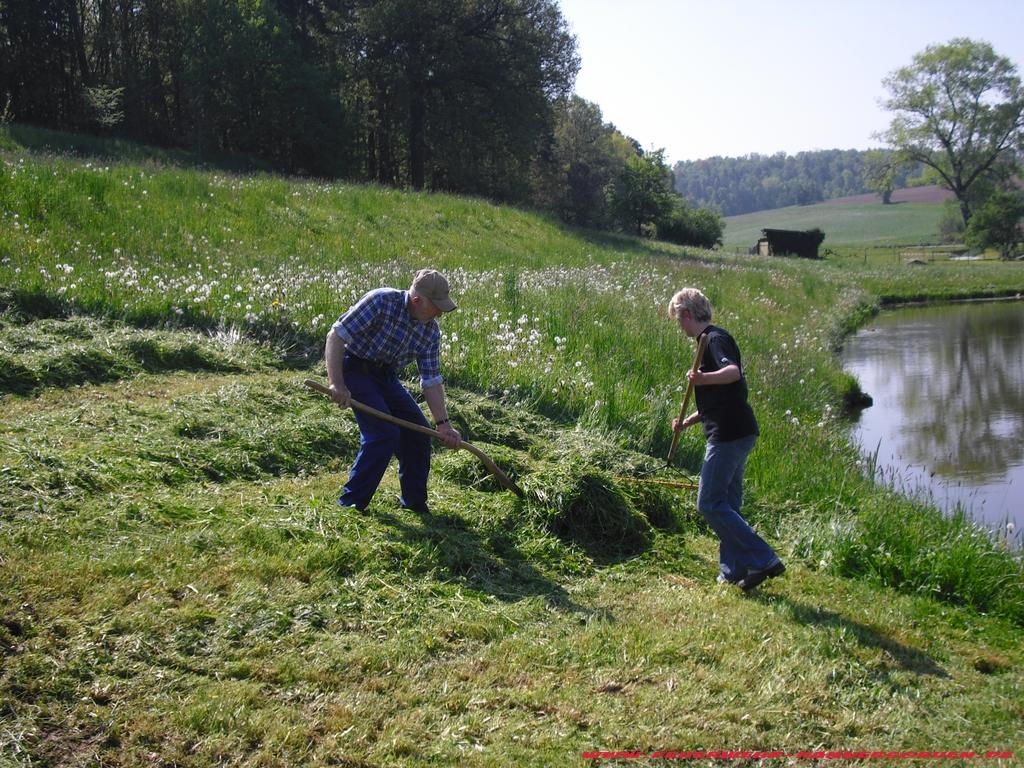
point(380, 329)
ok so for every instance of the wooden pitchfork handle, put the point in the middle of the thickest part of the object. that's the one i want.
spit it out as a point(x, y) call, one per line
point(493, 468)
point(701, 346)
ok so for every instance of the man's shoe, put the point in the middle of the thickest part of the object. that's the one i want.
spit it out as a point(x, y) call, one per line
point(420, 509)
point(360, 510)
point(755, 578)
point(722, 579)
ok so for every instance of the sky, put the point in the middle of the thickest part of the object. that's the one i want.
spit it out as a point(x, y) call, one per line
point(701, 78)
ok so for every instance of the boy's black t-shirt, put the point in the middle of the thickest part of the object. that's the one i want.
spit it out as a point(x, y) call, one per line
point(724, 409)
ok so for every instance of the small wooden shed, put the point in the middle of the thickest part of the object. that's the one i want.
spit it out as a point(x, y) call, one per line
point(789, 242)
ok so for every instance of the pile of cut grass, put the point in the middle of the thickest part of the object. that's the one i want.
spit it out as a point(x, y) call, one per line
point(137, 439)
point(69, 351)
point(581, 504)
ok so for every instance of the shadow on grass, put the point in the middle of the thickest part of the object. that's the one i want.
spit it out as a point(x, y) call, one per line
point(123, 150)
point(629, 241)
point(490, 563)
point(907, 657)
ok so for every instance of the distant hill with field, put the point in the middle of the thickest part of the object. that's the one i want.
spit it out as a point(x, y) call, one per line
point(738, 185)
point(911, 218)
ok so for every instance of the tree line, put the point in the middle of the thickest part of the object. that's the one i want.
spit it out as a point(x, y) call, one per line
point(735, 185)
point(466, 96)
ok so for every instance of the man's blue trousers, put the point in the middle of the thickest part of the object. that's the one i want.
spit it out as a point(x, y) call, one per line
point(379, 387)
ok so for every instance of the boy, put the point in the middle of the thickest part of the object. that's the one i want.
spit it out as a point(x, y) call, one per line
point(366, 348)
point(731, 430)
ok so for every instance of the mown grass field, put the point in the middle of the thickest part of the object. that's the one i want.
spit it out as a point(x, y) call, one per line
point(860, 224)
point(179, 587)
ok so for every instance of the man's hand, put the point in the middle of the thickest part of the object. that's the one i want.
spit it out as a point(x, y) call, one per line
point(449, 435)
point(341, 396)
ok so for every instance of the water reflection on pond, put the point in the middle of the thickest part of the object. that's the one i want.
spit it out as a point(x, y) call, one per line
point(948, 413)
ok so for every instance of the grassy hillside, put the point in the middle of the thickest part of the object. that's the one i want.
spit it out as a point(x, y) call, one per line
point(178, 587)
point(860, 223)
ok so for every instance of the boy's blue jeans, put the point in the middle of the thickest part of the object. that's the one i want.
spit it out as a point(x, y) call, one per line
point(719, 499)
point(380, 440)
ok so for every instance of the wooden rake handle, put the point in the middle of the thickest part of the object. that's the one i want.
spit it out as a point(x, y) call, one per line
point(689, 486)
point(701, 346)
point(505, 480)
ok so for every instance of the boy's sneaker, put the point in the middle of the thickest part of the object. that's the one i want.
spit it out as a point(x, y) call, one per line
point(755, 578)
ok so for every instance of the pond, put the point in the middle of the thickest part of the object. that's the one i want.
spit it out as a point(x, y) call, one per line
point(948, 414)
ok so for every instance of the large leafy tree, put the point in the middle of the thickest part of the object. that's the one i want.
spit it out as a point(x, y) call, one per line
point(997, 224)
point(585, 155)
point(880, 172)
point(642, 192)
point(958, 110)
point(684, 225)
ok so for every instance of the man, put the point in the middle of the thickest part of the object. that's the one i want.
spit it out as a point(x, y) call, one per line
point(366, 348)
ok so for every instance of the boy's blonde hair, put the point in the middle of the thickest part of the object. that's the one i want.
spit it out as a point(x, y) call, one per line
point(693, 300)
